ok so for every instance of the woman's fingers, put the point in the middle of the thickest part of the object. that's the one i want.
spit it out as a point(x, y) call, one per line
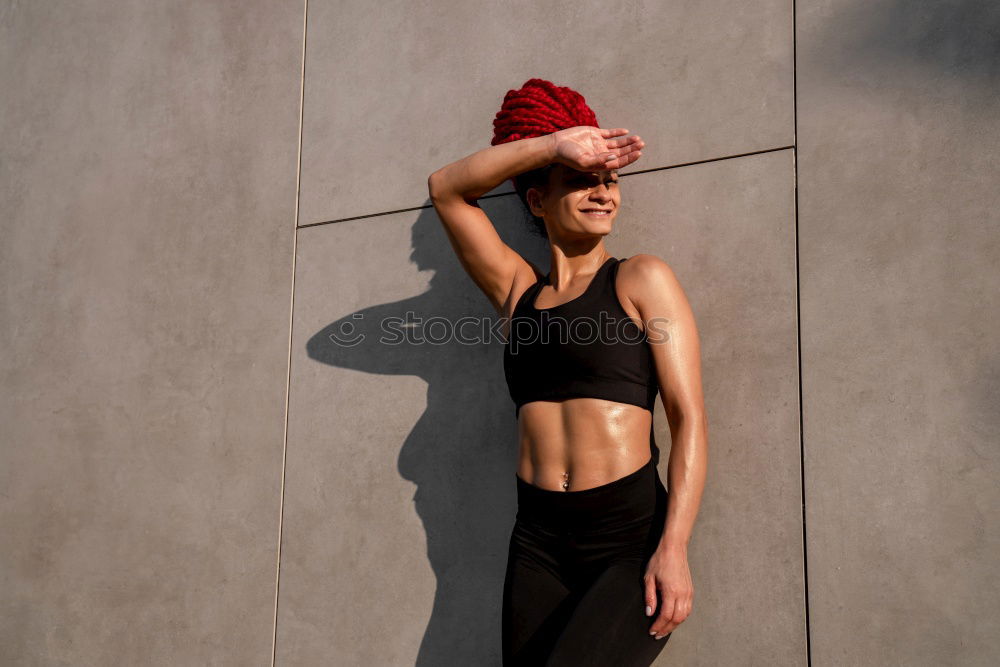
point(664, 621)
point(650, 585)
point(625, 151)
point(621, 141)
point(625, 142)
point(626, 156)
point(682, 609)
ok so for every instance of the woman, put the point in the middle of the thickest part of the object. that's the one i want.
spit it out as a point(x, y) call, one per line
point(597, 570)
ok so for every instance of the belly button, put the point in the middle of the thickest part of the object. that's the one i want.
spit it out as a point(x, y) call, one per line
point(565, 483)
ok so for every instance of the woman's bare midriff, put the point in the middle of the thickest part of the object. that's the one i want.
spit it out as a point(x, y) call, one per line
point(579, 443)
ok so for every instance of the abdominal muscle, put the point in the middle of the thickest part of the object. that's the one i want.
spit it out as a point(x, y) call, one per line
point(579, 443)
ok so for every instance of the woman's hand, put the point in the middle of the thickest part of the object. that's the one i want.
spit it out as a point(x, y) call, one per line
point(587, 148)
point(668, 574)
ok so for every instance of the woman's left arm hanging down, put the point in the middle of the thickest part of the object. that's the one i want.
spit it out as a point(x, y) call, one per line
point(673, 336)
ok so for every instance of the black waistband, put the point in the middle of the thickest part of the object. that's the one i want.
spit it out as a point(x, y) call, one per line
point(634, 497)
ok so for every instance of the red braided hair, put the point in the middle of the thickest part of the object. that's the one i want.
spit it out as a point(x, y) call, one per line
point(538, 108)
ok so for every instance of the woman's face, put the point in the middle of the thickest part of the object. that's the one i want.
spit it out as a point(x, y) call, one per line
point(573, 200)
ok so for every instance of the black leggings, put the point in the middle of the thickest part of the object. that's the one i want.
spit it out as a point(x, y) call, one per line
point(573, 592)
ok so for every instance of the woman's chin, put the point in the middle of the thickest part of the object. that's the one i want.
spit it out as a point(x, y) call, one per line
point(597, 226)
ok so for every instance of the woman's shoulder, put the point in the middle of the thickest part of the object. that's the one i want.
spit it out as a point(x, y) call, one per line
point(646, 264)
point(646, 273)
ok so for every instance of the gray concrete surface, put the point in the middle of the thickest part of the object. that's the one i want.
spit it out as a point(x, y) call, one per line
point(423, 82)
point(150, 158)
point(148, 190)
point(899, 249)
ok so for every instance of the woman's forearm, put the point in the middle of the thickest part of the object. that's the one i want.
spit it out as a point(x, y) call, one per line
point(686, 472)
point(475, 175)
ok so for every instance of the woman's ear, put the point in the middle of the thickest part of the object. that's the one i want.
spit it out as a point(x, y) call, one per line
point(534, 197)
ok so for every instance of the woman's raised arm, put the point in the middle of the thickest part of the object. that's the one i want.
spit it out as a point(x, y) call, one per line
point(493, 265)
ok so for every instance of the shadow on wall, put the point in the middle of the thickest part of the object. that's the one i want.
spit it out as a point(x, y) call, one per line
point(461, 454)
point(957, 38)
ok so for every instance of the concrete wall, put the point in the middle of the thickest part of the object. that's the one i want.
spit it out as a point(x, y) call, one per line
point(899, 256)
point(149, 158)
point(821, 176)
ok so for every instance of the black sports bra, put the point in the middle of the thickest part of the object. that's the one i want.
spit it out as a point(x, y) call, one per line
point(586, 347)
